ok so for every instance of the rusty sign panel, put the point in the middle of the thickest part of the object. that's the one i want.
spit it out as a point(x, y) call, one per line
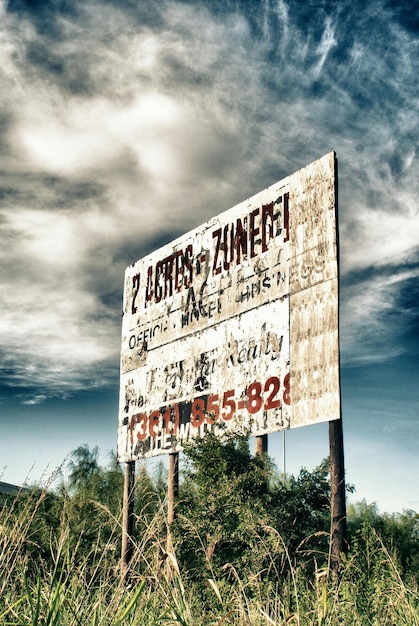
point(235, 324)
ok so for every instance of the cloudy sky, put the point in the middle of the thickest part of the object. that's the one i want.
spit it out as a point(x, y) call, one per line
point(124, 124)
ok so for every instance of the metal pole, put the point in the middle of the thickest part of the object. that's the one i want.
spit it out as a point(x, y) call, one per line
point(127, 521)
point(338, 494)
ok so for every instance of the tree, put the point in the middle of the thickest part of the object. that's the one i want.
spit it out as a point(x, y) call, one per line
point(93, 497)
point(83, 467)
point(234, 508)
point(222, 502)
point(300, 509)
point(398, 531)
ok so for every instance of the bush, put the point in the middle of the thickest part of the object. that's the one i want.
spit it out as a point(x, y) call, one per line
point(234, 508)
point(250, 548)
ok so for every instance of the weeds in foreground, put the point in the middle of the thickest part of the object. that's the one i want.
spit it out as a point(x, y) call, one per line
point(67, 586)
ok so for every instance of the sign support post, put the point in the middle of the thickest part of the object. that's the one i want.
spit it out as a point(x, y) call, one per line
point(127, 521)
point(261, 445)
point(338, 495)
point(172, 494)
point(173, 486)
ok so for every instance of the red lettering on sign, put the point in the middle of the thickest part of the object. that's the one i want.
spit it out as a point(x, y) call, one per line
point(253, 232)
point(216, 235)
point(208, 409)
point(229, 403)
point(153, 423)
point(135, 287)
point(213, 409)
point(139, 419)
point(166, 420)
point(255, 401)
point(241, 240)
point(169, 275)
point(286, 217)
point(197, 412)
point(267, 225)
point(286, 397)
point(272, 402)
point(233, 242)
point(149, 290)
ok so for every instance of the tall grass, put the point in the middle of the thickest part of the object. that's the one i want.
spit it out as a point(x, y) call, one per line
point(72, 587)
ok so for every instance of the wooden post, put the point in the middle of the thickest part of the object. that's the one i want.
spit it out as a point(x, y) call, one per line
point(172, 494)
point(173, 485)
point(261, 444)
point(127, 521)
point(338, 494)
point(284, 464)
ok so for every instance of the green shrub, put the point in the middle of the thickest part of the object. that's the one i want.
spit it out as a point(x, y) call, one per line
point(247, 550)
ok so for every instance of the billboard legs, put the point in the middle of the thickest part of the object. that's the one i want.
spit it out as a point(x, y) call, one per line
point(172, 494)
point(338, 494)
point(173, 485)
point(261, 444)
point(127, 521)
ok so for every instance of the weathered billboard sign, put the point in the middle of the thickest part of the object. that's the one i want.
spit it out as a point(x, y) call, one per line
point(235, 324)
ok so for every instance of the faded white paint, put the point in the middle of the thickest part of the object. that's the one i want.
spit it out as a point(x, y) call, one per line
point(314, 340)
point(206, 322)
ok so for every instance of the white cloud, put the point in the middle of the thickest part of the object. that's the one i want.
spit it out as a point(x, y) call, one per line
point(368, 334)
point(36, 399)
point(89, 134)
point(54, 337)
point(49, 239)
point(327, 42)
point(373, 237)
point(173, 121)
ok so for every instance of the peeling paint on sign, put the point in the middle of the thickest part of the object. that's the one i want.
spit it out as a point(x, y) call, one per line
point(206, 321)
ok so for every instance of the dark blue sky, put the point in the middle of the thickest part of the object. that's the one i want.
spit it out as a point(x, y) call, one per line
point(125, 124)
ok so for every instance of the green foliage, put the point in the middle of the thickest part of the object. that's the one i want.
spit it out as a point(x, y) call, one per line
point(372, 583)
point(223, 502)
point(398, 531)
point(236, 516)
point(301, 512)
point(249, 548)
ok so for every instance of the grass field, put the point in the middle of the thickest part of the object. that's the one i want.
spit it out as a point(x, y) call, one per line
point(66, 582)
